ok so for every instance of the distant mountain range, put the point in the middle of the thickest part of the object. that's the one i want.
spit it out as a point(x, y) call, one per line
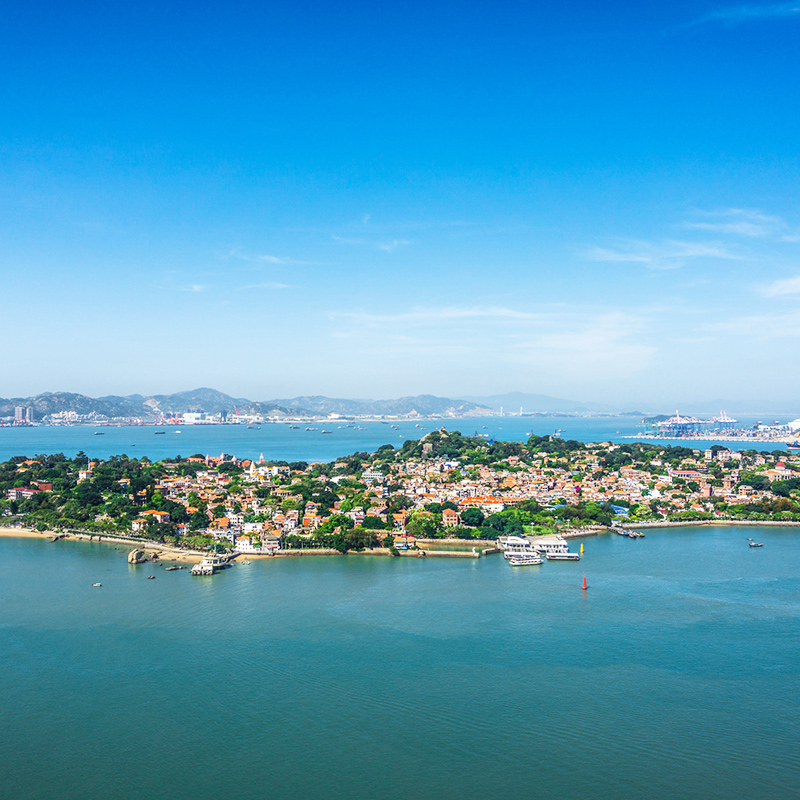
point(211, 401)
point(511, 402)
point(422, 404)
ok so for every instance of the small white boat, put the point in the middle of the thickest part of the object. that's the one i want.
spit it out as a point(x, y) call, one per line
point(521, 560)
point(756, 544)
point(97, 584)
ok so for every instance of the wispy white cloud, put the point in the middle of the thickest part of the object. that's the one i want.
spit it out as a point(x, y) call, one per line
point(265, 258)
point(740, 14)
point(269, 285)
point(390, 247)
point(436, 316)
point(760, 327)
point(660, 255)
point(739, 222)
point(594, 344)
point(387, 246)
point(188, 287)
point(742, 228)
point(782, 287)
point(554, 338)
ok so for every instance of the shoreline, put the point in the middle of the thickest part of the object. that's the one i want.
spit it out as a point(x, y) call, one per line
point(478, 548)
point(708, 522)
point(710, 438)
point(165, 552)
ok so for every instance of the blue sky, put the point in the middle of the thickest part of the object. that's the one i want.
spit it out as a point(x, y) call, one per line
point(593, 200)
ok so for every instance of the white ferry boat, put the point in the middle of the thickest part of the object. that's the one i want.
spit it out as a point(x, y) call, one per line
point(549, 544)
point(562, 556)
point(524, 560)
point(553, 548)
point(515, 546)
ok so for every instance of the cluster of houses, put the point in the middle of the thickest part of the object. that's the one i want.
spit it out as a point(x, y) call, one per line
point(251, 515)
point(252, 524)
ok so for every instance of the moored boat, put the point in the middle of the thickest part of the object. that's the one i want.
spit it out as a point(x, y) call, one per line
point(209, 565)
point(515, 546)
point(524, 559)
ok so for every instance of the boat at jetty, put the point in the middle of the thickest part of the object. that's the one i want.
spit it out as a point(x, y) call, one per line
point(515, 546)
point(553, 548)
point(209, 565)
point(562, 556)
point(629, 534)
point(524, 559)
point(549, 544)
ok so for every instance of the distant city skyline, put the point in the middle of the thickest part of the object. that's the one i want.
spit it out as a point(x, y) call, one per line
point(596, 202)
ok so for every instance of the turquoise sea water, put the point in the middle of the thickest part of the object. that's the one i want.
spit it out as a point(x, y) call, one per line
point(674, 676)
point(280, 442)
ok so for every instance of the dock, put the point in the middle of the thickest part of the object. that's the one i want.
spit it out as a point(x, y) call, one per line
point(210, 565)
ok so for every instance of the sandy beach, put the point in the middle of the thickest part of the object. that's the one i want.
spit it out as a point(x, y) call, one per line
point(164, 552)
point(25, 533)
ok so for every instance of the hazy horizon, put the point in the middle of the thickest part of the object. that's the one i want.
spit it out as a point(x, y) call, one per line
point(513, 400)
point(595, 202)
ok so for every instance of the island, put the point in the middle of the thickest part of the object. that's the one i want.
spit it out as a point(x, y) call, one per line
point(443, 486)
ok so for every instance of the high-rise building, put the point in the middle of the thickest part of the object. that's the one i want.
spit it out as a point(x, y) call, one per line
point(23, 415)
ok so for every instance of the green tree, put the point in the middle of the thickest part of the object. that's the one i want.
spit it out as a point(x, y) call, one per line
point(374, 523)
point(473, 517)
point(422, 526)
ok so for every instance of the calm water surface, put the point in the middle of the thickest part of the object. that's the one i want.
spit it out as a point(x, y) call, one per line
point(674, 676)
point(279, 442)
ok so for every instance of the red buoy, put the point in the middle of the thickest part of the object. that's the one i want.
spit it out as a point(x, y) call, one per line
point(585, 587)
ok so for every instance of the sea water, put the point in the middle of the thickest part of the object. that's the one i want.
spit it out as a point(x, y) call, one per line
point(674, 676)
point(280, 442)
